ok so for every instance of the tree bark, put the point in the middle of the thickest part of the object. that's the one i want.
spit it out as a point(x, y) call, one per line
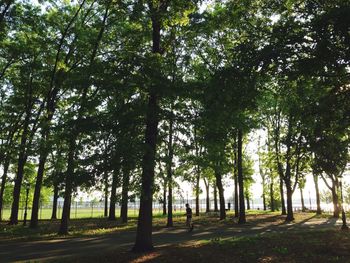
point(303, 208)
point(63, 230)
point(144, 227)
point(170, 171)
point(170, 205)
point(106, 185)
point(334, 190)
point(164, 196)
point(242, 217)
point(279, 168)
point(221, 195)
point(290, 215)
point(264, 196)
point(216, 208)
point(236, 197)
point(272, 199)
point(318, 199)
point(114, 191)
point(41, 168)
point(143, 240)
point(207, 200)
point(3, 183)
point(263, 177)
point(197, 152)
point(335, 199)
point(287, 177)
point(248, 202)
point(197, 191)
point(54, 201)
point(284, 211)
point(22, 157)
point(235, 175)
point(125, 195)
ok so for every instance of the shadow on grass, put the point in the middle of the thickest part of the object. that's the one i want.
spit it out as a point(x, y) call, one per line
point(308, 246)
point(47, 229)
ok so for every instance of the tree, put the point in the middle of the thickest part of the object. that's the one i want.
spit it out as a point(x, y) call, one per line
point(54, 86)
point(158, 11)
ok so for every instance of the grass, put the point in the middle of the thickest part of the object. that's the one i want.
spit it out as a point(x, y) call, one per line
point(48, 229)
point(304, 246)
point(317, 245)
point(45, 213)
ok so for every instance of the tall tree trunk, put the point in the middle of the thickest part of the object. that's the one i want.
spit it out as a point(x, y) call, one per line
point(63, 230)
point(114, 191)
point(44, 152)
point(143, 240)
point(242, 218)
point(335, 200)
point(290, 216)
point(235, 175)
point(279, 168)
point(263, 195)
point(3, 183)
point(221, 195)
point(248, 202)
point(318, 199)
point(106, 185)
point(54, 201)
point(216, 208)
point(170, 171)
point(144, 227)
point(207, 200)
point(284, 211)
point(197, 191)
point(164, 196)
point(125, 195)
point(334, 190)
point(170, 205)
point(303, 209)
point(197, 153)
point(22, 159)
point(272, 199)
point(263, 177)
point(287, 178)
point(40, 174)
point(236, 197)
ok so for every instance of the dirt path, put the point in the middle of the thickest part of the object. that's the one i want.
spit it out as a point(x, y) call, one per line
point(61, 248)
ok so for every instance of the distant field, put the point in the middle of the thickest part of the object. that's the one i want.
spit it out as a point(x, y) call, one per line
point(45, 213)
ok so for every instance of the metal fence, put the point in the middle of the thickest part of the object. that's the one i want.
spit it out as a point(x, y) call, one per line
point(92, 209)
point(96, 209)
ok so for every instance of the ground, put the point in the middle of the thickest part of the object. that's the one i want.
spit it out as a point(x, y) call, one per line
point(265, 238)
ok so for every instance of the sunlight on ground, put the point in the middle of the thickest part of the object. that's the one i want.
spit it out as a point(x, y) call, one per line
point(146, 258)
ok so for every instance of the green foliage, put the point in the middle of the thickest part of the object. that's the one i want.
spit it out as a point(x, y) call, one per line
point(280, 68)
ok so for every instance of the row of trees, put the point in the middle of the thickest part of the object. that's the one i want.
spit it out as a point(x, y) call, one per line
point(123, 94)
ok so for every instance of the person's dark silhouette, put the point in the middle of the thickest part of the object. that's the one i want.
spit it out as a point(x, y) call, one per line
point(189, 217)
